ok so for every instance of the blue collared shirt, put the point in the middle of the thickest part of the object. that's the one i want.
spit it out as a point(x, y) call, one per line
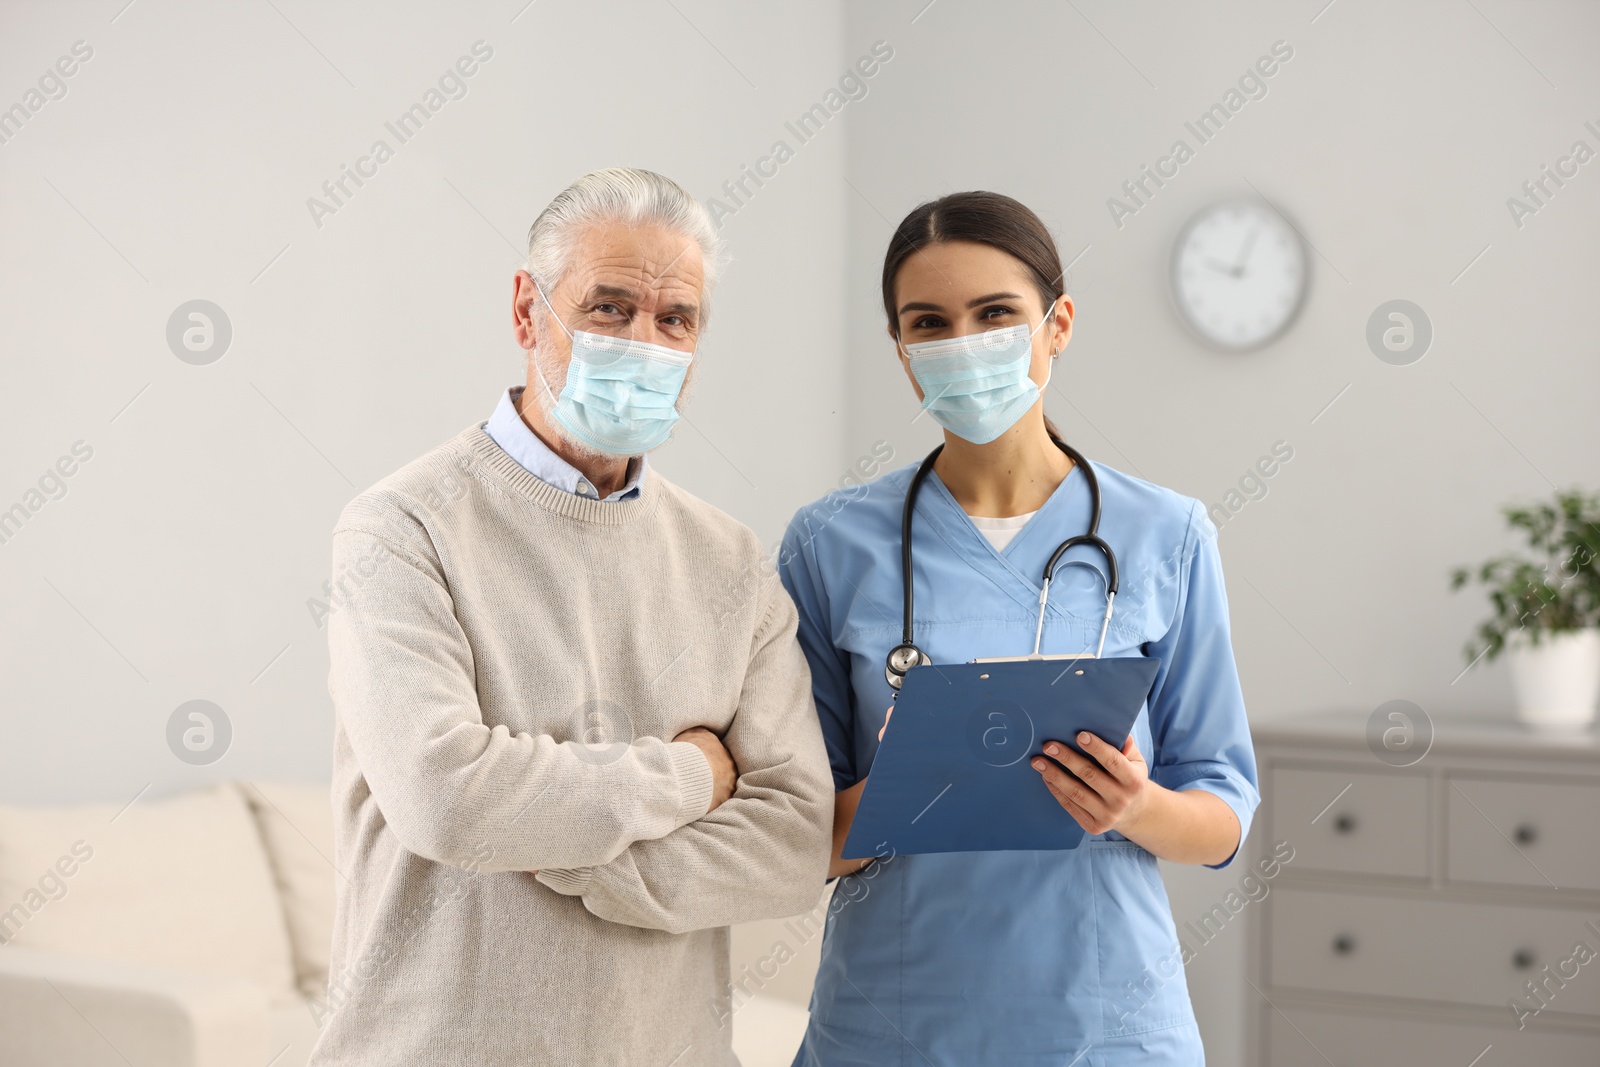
point(508, 431)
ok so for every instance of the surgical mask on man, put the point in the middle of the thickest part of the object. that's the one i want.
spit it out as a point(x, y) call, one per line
point(621, 396)
point(977, 386)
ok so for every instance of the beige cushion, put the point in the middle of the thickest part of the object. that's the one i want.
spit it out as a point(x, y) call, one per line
point(70, 1011)
point(296, 821)
point(292, 1031)
point(181, 882)
point(767, 1030)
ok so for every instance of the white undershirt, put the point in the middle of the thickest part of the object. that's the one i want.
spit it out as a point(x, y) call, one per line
point(999, 532)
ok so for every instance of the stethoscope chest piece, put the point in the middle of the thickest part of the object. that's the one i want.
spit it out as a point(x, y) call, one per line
point(900, 660)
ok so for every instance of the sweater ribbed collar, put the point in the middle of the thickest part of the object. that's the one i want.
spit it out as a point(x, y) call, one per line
point(582, 509)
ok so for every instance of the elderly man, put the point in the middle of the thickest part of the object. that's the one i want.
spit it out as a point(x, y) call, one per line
point(574, 735)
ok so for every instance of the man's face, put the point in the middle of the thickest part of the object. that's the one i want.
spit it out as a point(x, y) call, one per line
point(638, 282)
point(644, 283)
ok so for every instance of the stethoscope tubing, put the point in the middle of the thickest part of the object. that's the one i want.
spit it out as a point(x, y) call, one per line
point(906, 655)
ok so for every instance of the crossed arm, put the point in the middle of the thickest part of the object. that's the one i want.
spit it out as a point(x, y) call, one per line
point(763, 853)
point(663, 835)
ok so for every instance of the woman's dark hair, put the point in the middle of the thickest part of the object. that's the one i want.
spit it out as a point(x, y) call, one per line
point(992, 219)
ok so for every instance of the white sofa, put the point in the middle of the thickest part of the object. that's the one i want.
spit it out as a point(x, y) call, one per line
point(194, 931)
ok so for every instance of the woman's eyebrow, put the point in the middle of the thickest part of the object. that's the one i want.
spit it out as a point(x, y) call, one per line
point(918, 305)
point(991, 297)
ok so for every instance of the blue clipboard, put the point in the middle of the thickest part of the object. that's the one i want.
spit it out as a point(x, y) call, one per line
point(953, 772)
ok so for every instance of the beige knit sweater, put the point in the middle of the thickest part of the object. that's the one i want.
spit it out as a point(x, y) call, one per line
point(509, 665)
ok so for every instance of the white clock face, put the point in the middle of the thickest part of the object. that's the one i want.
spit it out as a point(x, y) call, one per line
point(1238, 274)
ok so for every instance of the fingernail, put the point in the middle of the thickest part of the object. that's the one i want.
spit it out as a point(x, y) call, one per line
point(1083, 738)
point(1052, 750)
point(1038, 764)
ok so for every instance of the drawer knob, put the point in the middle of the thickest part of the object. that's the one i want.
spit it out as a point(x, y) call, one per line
point(1523, 959)
point(1344, 823)
point(1344, 944)
point(1525, 834)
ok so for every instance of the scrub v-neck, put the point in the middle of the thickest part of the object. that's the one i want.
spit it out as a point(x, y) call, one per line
point(1054, 521)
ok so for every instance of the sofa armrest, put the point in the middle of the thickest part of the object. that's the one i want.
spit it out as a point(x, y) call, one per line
point(57, 1009)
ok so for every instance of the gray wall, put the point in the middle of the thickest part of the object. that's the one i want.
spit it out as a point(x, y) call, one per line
point(1392, 138)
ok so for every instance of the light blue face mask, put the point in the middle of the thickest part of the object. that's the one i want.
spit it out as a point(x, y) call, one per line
point(977, 386)
point(621, 396)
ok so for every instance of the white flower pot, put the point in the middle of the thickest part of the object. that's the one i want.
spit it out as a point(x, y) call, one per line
point(1557, 681)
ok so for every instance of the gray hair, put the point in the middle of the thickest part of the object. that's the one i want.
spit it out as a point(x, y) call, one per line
point(618, 194)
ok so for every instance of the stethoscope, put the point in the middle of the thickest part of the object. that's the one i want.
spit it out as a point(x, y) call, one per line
point(907, 655)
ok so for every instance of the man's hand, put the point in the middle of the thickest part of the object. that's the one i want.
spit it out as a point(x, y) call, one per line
point(724, 775)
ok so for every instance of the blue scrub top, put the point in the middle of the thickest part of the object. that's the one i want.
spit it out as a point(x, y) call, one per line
point(1020, 958)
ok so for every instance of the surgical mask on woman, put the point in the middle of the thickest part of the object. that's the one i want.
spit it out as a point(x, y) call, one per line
point(977, 386)
point(621, 396)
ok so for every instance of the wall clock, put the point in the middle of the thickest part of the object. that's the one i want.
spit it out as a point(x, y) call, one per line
point(1238, 274)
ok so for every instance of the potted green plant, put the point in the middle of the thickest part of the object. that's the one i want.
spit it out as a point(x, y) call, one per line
point(1546, 609)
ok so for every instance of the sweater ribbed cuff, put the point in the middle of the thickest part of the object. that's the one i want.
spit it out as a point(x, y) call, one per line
point(570, 882)
point(695, 779)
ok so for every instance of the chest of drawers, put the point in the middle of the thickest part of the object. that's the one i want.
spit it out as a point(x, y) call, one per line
point(1442, 912)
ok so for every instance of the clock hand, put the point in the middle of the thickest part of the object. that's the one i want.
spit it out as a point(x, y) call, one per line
point(1244, 252)
point(1225, 268)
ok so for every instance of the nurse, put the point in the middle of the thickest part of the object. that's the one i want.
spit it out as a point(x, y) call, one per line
point(1016, 958)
